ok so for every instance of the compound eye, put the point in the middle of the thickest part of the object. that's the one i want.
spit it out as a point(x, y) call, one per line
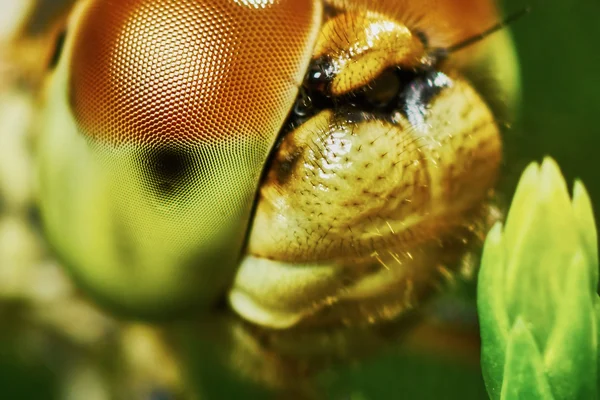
point(160, 120)
point(153, 71)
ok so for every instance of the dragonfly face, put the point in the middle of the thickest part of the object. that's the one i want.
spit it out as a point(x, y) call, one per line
point(312, 162)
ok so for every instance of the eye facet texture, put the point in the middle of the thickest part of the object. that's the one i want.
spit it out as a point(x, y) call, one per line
point(186, 72)
point(157, 124)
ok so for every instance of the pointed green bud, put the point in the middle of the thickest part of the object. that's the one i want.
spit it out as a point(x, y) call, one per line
point(537, 295)
point(524, 376)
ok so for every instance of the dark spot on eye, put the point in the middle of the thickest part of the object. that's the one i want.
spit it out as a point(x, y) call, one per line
point(169, 163)
point(58, 49)
point(168, 168)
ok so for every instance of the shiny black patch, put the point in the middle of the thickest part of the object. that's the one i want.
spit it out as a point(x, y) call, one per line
point(415, 98)
point(319, 75)
point(396, 89)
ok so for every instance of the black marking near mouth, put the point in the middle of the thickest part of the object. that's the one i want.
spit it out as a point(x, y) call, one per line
point(416, 88)
point(416, 97)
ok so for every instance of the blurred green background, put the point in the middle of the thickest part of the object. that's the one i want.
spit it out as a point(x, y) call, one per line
point(558, 47)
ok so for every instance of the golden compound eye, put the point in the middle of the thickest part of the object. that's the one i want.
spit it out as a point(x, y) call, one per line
point(159, 118)
point(186, 72)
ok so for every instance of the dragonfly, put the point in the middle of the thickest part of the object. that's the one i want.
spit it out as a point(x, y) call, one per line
point(279, 167)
